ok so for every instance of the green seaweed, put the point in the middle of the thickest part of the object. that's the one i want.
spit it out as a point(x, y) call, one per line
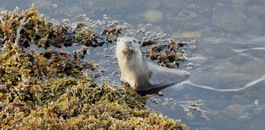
point(53, 90)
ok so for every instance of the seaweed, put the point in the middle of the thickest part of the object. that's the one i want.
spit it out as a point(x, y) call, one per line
point(30, 28)
point(169, 54)
point(54, 90)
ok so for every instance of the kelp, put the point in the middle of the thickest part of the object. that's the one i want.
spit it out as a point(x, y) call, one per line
point(53, 90)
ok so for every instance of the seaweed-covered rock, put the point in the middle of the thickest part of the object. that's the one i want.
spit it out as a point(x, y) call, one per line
point(54, 90)
point(30, 28)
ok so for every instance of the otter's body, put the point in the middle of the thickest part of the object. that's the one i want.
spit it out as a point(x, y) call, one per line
point(142, 75)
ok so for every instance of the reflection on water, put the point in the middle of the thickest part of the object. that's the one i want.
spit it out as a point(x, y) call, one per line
point(224, 37)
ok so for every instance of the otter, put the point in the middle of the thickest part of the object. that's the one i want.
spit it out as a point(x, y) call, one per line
point(142, 75)
point(145, 76)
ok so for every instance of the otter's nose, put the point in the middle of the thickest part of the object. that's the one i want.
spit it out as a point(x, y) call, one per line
point(119, 39)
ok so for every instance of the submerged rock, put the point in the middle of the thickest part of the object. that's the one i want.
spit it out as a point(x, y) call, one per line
point(230, 21)
point(186, 19)
point(153, 16)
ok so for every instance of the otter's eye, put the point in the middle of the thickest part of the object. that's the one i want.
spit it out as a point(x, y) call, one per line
point(129, 42)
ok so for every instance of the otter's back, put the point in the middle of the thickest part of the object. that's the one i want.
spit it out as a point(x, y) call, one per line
point(163, 77)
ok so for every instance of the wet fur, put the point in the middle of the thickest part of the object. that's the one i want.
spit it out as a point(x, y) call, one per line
point(142, 75)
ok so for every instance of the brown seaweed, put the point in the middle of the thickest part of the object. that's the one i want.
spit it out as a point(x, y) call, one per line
point(53, 90)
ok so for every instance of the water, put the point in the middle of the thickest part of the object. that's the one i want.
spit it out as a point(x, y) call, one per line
point(225, 50)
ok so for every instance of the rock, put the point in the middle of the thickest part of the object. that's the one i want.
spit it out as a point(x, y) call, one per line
point(173, 3)
point(76, 10)
point(255, 21)
point(236, 111)
point(186, 35)
point(153, 4)
point(255, 67)
point(186, 20)
point(116, 4)
point(257, 9)
point(239, 1)
point(153, 16)
point(230, 21)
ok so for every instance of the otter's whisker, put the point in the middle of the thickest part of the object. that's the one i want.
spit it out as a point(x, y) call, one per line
point(113, 50)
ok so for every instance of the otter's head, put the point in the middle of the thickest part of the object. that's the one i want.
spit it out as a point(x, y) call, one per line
point(128, 46)
point(134, 69)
